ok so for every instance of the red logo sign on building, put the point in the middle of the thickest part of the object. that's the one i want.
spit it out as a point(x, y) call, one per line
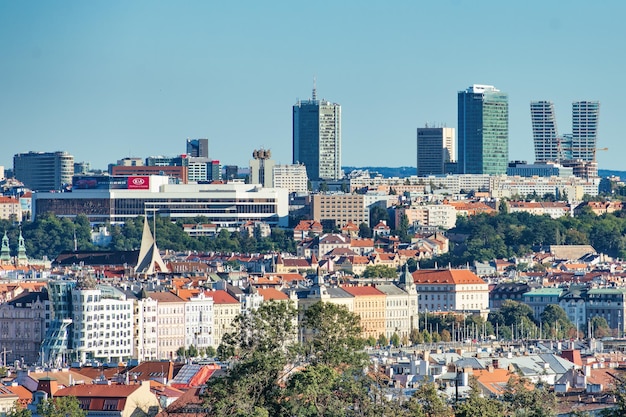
point(138, 183)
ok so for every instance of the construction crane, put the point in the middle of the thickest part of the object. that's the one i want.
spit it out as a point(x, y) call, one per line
point(598, 149)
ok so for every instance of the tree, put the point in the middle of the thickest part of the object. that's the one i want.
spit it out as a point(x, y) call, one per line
point(619, 392)
point(365, 231)
point(555, 319)
point(380, 271)
point(192, 352)
point(427, 402)
point(263, 342)
point(61, 407)
point(523, 401)
point(181, 352)
point(599, 327)
point(333, 335)
point(19, 411)
point(382, 340)
point(395, 339)
point(478, 406)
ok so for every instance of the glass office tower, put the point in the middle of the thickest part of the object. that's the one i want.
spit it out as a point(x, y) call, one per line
point(483, 130)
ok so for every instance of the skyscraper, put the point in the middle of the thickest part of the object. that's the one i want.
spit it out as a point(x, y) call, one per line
point(585, 130)
point(198, 148)
point(317, 138)
point(545, 135)
point(483, 129)
point(435, 147)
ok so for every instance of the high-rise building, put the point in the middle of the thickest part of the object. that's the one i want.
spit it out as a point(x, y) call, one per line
point(545, 134)
point(585, 130)
point(44, 171)
point(292, 177)
point(198, 148)
point(483, 129)
point(261, 167)
point(435, 147)
point(317, 138)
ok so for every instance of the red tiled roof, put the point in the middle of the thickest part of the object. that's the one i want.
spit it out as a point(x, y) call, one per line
point(222, 297)
point(362, 291)
point(446, 276)
point(272, 294)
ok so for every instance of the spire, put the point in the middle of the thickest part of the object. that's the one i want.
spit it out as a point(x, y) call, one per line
point(314, 95)
point(22, 259)
point(406, 281)
point(149, 253)
point(5, 253)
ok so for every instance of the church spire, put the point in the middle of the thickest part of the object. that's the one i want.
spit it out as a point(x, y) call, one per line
point(5, 252)
point(22, 259)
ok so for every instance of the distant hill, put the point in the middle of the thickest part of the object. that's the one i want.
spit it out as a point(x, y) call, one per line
point(607, 173)
point(403, 172)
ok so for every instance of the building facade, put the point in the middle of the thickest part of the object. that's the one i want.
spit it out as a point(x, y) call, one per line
point(198, 148)
point(483, 129)
point(340, 208)
point(317, 138)
point(545, 134)
point(292, 177)
point(451, 290)
point(435, 148)
point(585, 130)
point(261, 168)
point(44, 171)
point(116, 199)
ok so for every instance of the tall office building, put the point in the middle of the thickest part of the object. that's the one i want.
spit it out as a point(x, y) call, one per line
point(44, 171)
point(483, 129)
point(317, 138)
point(585, 130)
point(545, 134)
point(435, 148)
point(198, 148)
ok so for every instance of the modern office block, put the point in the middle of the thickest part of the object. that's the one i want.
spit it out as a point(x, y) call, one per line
point(483, 129)
point(317, 138)
point(198, 148)
point(545, 135)
point(435, 148)
point(585, 129)
point(44, 171)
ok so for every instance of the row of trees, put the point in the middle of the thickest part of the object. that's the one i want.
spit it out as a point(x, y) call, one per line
point(506, 235)
point(49, 235)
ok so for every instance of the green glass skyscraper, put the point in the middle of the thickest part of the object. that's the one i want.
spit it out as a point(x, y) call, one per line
point(483, 130)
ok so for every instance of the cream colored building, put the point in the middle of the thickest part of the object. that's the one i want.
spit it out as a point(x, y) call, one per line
point(458, 290)
point(292, 177)
point(341, 208)
point(171, 323)
point(401, 309)
point(225, 309)
point(369, 305)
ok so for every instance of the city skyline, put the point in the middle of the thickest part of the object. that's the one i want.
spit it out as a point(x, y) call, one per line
point(104, 81)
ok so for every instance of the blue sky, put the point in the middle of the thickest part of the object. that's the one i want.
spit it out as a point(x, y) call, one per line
point(105, 80)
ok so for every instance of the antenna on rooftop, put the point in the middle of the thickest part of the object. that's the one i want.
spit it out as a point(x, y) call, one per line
point(314, 95)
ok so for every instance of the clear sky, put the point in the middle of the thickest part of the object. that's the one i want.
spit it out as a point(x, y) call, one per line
point(105, 80)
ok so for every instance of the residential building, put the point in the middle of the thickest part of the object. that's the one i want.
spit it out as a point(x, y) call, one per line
point(437, 215)
point(574, 302)
point(23, 324)
point(145, 328)
point(504, 291)
point(455, 290)
point(539, 298)
point(610, 304)
point(10, 209)
point(435, 148)
point(401, 310)
point(483, 130)
point(171, 323)
point(198, 148)
point(113, 400)
point(585, 130)
point(225, 309)
point(555, 209)
point(369, 305)
point(317, 138)
point(293, 177)
point(44, 171)
point(199, 320)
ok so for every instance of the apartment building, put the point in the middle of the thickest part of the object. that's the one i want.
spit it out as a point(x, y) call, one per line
point(171, 323)
point(451, 290)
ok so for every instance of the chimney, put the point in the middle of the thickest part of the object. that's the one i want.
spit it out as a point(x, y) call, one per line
point(495, 363)
point(48, 385)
